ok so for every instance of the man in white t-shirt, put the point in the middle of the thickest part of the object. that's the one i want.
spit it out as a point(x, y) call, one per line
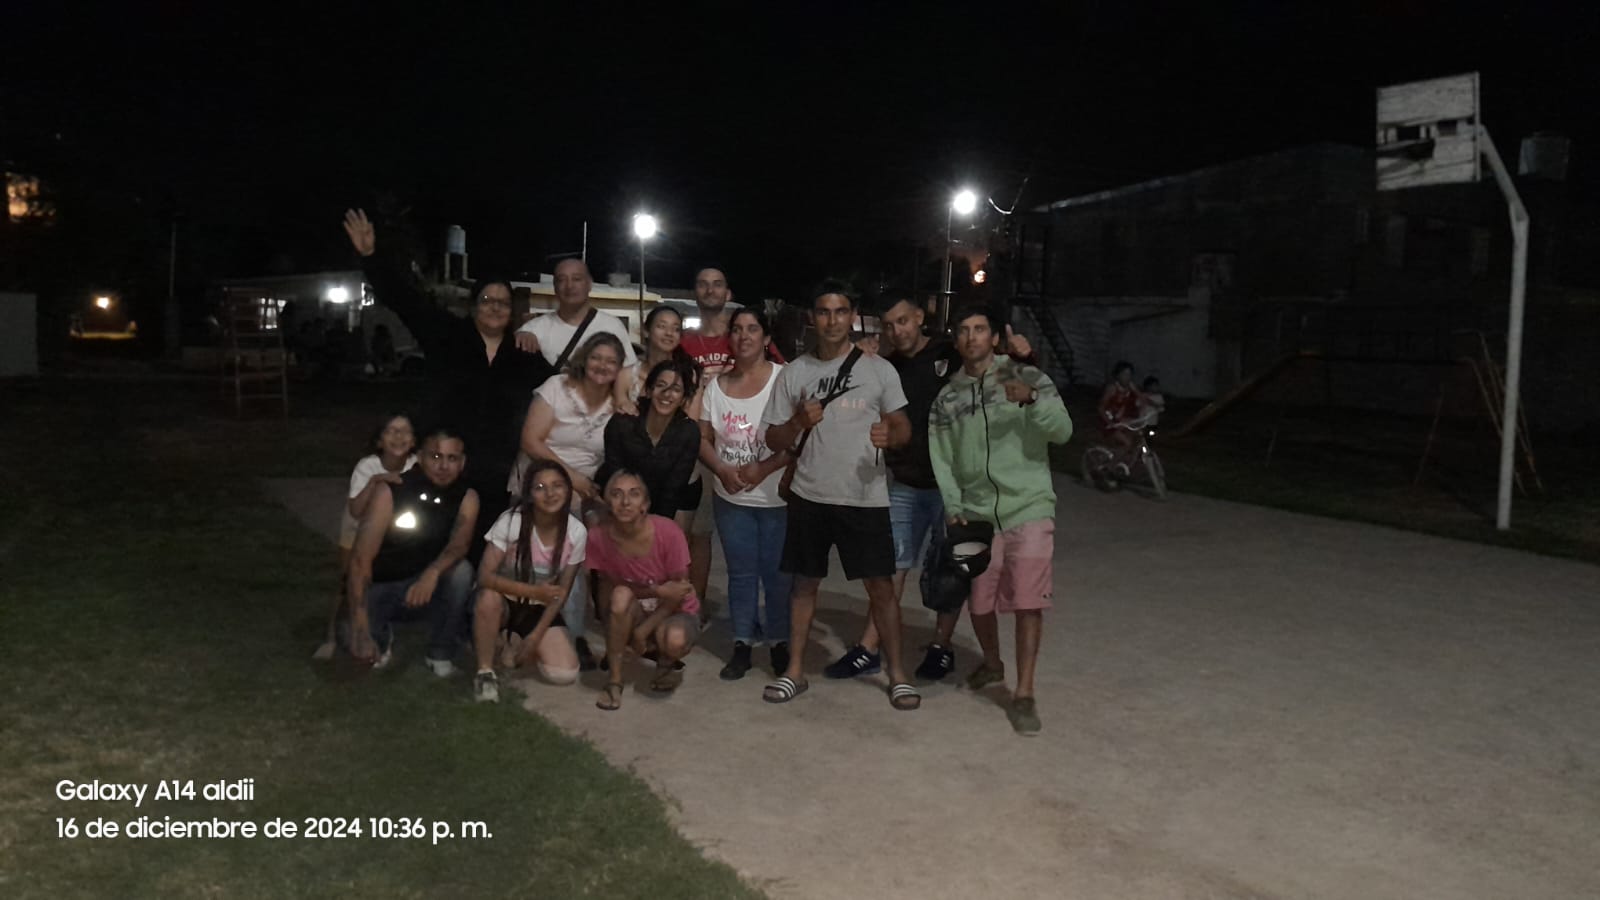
point(550, 333)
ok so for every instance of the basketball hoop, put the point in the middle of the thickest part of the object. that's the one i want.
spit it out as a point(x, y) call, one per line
point(1430, 132)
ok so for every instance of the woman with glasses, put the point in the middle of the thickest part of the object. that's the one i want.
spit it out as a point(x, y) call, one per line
point(477, 379)
point(661, 443)
point(566, 423)
point(532, 560)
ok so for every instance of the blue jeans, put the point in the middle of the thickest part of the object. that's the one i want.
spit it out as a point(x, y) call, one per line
point(446, 609)
point(752, 544)
point(915, 514)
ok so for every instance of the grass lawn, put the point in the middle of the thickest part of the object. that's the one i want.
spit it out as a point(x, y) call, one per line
point(1360, 466)
point(156, 617)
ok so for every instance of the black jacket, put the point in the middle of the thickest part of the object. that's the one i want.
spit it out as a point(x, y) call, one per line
point(486, 400)
point(665, 467)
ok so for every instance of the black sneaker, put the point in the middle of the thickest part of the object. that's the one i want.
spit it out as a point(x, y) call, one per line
point(939, 662)
point(586, 661)
point(857, 661)
point(780, 659)
point(739, 664)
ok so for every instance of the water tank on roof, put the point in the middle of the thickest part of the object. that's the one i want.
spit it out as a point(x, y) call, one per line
point(1544, 155)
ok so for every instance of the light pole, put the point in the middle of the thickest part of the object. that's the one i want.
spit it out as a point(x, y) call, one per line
point(964, 202)
point(644, 226)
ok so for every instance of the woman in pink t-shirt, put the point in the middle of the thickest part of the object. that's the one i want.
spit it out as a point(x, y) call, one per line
point(643, 564)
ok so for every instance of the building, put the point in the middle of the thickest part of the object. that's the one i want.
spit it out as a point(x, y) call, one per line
point(1209, 277)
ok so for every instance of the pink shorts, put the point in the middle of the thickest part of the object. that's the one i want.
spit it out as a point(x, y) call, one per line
point(1020, 575)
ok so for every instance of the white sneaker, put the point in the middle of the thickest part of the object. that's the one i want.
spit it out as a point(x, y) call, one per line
point(384, 659)
point(442, 667)
point(486, 688)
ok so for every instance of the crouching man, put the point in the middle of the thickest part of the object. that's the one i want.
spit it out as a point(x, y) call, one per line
point(409, 557)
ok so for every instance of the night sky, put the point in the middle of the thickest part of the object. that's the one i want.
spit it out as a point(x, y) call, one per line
point(783, 142)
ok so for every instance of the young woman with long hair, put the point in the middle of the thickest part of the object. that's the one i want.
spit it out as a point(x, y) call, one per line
point(531, 559)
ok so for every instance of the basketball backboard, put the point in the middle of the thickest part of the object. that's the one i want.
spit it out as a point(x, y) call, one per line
point(1428, 132)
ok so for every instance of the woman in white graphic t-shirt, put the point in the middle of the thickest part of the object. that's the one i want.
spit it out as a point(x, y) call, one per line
point(751, 518)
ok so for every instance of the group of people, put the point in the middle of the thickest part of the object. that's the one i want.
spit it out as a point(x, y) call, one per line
point(586, 479)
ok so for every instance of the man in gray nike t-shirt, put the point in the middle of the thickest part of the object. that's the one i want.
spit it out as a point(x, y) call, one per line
point(841, 422)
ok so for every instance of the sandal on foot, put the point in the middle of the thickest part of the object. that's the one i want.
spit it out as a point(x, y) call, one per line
point(611, 698)
point(904, 697)
point(983, 676)
point(666, 680)
point(783, 690)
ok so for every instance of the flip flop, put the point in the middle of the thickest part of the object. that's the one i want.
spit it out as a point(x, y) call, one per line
point(666, 680)
point(611, 699)
point(783, 690)
point(904, 697)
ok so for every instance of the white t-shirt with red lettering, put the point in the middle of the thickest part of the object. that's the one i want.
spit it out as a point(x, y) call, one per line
point(741, 437)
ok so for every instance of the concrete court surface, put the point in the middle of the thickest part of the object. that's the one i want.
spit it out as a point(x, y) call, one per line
point(1238, 702)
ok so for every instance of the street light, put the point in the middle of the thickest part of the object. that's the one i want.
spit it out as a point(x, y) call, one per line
point(103, 302)
point(964, 202)
point(644, 226)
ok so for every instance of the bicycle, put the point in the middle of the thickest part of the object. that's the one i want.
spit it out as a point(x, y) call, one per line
point(1108, 468)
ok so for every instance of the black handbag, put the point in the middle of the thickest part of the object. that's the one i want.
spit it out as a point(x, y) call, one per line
point(948, 582)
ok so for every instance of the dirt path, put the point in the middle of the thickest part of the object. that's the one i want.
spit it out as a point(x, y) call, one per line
point(1238, 702)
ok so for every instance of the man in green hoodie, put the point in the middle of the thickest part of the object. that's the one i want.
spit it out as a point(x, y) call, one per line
point(989, 434)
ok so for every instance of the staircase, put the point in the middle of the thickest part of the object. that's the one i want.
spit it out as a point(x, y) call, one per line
point(1058, 359)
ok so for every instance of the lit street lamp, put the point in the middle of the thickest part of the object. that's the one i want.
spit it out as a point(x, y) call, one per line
point(644, 226)
point(963, 203)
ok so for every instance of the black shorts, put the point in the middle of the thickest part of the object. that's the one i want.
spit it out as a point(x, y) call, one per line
point(524, 617)
point(862, 534)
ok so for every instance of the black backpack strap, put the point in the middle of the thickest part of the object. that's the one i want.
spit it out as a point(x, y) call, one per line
point(844, 373)
point(561, 361)
point(838, 381)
